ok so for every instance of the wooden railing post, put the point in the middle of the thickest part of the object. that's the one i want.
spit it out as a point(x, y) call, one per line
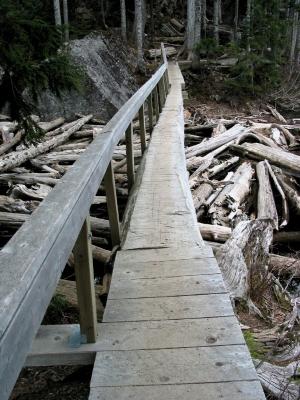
point(84, 273)
point(150, 112)
point(130, 156)
point(156, 104)
point(142, 128)
point(112, 205)
point(162, 95)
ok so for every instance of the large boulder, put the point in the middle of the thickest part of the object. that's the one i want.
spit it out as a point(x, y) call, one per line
point(109, 68)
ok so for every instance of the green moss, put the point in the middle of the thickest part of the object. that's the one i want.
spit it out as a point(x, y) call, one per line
point(257, 349)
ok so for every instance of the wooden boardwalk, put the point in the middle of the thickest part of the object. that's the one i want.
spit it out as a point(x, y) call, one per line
point(169, 331)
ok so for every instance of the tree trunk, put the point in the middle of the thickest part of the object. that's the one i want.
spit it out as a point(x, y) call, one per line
point(123, 20)
point(66, 20)
point(204, 12)
point(190, 27)
point(216, 20)
point(198, 20)
point(57, 13)
point(248, 23)
point(236, 20)
point(139, 33)
point(295, 28)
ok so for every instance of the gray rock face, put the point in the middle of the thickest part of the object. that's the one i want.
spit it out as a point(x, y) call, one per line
point(109, 79)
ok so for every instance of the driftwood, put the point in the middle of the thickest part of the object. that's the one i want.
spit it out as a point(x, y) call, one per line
point(232, 195)
point(284, 208)
point(15, 159)
point(208, 127)
point(216, 142)
point(278, 157)
point(8, 145)
point(11, 205)
point(279, 381)
point(266, 208)
point(290, 192)
point(280, 265)
point(201, 194)
point(244, 257)
point(48, 126)
point(215, 233)
point(29, 179)
point(37, 191)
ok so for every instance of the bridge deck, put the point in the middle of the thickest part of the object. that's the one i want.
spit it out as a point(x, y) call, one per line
point(169, 331)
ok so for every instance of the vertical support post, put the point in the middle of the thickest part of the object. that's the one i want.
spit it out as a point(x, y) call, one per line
point(130, 156)
point(150, 112)
point(142, 128)
point(167, 86)
point(112, 205)
point(161, 93)
point(156, 104)
point(84, 273)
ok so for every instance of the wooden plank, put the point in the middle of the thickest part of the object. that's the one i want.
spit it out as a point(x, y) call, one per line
point(173, 286)
point(163, 269)
point(150, 309)
point(241, 390)
point(84, 273)
point(145, 255)
point(130, 155)
point(112, 205)
point(150, 113)
point(142, 128)
point(52, 345)
point(173, 366)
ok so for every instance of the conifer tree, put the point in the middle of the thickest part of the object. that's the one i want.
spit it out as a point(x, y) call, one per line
point(32, 60)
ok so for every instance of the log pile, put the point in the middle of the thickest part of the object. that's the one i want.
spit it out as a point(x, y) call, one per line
point(29, 171)
point(244, 174)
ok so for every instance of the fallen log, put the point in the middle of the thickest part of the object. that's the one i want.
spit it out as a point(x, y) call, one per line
point(11, 205)
point(281, 158)
point(266, 208)
point(281, 265)
point(216, 142)
point(48, 126)
point(279, 381)
point(29, 179)
point(15, 159)
point(201, 194)
point(8, 145)
point(215, 233)
point(36, 192)
point(208, 127)
point(287, 237)
point(244, 257)
point(291, 193)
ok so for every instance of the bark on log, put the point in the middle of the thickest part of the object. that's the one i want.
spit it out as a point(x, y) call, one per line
point(201, 194)
point(281, 158)
point(287, 237)
point(266, 208)
point(36, 192)
point(281, 265)
point(15, 159)
point(8, 204)
point(214, 143)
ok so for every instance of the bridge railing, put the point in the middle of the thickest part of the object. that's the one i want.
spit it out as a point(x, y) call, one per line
point(32, 261)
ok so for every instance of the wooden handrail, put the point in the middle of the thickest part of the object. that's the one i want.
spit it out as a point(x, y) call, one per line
point(32, 261)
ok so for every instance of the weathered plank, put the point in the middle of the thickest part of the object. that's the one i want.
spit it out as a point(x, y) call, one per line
point(241, 390)
point(173, 366)
point(164, 269)
point(150, 309)
point(169, 286)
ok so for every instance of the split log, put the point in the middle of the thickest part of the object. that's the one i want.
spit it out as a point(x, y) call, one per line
point(279, 381)
point(214, 143)
point(216, 193)
point(15, 159)
point(244, 257)
point(281, 158)
point(201, 194)
point(224, 166)
point(266, 207)
point(215, 233)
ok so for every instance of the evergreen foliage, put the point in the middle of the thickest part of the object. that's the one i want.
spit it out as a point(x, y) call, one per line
point(32, 59)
